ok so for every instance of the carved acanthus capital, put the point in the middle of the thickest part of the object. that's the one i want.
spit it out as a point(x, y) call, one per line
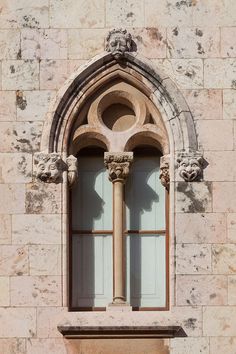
point(118, 165)
point(49, 167)
point(118, 42)
point(72, 165)
point(190, 166)
point(165, 173)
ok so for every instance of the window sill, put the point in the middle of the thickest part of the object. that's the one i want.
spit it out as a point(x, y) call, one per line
point(111, 332)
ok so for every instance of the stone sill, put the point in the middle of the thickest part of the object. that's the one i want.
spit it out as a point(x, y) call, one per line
point(112, 332)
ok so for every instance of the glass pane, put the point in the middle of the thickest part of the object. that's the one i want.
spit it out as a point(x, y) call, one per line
point(91, 270)
point(92, 197)
point(145, 196)
point(146, 270)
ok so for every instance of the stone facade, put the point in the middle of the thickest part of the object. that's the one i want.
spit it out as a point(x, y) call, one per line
point(191, 42)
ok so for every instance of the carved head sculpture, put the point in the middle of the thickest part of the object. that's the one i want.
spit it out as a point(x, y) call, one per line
point(118, 42)
point(49, 167)
point(190, 168)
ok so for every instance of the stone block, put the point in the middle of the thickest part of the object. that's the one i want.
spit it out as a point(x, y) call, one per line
point(45, 259)
point(190, 42)
point(229, 98)
point(231, 227)
point(151, 42)
point(7, 106)
point(12, 198)
point(208, 14)
point(224, 259)
point(197, 290)
point(10, 44)
point(24, 13)
point(77, 14)
point(228, 42)
point(219, 321)
point(85, 43)
point(20, 136)
point(20, 75)
point(32, 105)
point(36, 229)
point(12, 346)
point(5, 229)
point(220, 345)
point(15, 168)
point(53, 74)
point(189, 346)
point(195, 197)
point(13, 260)
point(221, 137)
point(221, 166)
point(232, 290)
point(205, 104)
point(44, 44)
point(4, 293)
point(193, 259)
point(224, 194)
point(18, 322)
point(48, 320)
point(43, 198)
point(201, 228)
point(35, 291)
point(226, 73)
point(125, 13)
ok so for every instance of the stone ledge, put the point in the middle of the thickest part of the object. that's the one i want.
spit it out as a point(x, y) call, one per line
point(109, 332)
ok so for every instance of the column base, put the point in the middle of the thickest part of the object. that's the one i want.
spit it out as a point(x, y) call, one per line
point(119, 306)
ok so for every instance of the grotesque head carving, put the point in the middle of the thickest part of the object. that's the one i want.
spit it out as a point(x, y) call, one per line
point(49, 167)
point(190, 167)
point(118, 42)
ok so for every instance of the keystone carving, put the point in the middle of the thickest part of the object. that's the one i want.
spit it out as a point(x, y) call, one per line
point(190, 166)
point(118, 42)
point(49, 167)
point(118, 165)
point(165, 174)
point(72, 165)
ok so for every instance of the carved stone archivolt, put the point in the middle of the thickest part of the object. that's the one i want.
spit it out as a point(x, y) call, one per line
point(164, 171)
point(118, 42)
point(190, 166)
point(118, 165)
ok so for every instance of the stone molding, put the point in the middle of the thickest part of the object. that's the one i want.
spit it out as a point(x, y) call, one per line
point(118, 165)
point(119, 41)
point(165, 171)
point(190, 166)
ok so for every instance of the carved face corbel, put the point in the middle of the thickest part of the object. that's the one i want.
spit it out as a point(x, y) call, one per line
point(190, 166)
point(165, 173)
point(118, 42)
point(49, 167)
point(72, 165)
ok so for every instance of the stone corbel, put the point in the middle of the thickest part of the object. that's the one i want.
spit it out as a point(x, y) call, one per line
point(190, 166)
point(119, 41)
point(165, 171)
point(72, 165)
point(118, 165)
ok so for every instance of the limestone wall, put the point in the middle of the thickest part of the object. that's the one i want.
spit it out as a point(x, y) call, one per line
point(41, 44)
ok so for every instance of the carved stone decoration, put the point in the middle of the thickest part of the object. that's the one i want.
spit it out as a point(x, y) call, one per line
point(118, 42)
point(190, 166)
point(72, 165)
point(118, 165)
point(165, 174)
point(49, 167)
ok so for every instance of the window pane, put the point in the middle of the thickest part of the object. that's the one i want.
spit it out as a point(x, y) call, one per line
point(91, 270)
point(146, 270)
point(92, 197)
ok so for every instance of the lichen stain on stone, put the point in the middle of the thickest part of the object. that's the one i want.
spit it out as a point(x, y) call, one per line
point(190, 323)
point(130, 14)
point(198, 32)
point(185, 3)
point(233, 84)
point(200, 50)
point(12, 69)
point(19, 55)
point(21, 101)
point(30, 22)
point(175, 31)
point(154, 34)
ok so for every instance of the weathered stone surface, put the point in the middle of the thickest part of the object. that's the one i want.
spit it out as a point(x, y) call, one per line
point(20, 136)
point(232, 290)
point(20, 75)
point(9, 44)
point(226, 73)
point(197, 290)
point(15, 168)
point(221, 166)
point(12, 198)
point(53, 73)
point(201, 228)
point(220, 345)
point(45, 259)
point(229, 97)
point(150, 41)
point(224, 259)
point(189, 346)
point(221, 137)
point(52, 346)
point(5, 229)
point(79, 14)
point(35, 291)
point(193, 42)
point(219, 321)
point(193, 197)
point(7, 106)
point(32, 105)
point(12, 346)
point(231, 227)
point(193, 259)
point(220, 202)
point(5, 292)
point(228, 42)
point(128, 13)
point(18, 322)
point(36, 229)
point(13, 260)
point(43, 198)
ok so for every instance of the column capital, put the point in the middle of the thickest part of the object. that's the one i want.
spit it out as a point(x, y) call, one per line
point(118, 164)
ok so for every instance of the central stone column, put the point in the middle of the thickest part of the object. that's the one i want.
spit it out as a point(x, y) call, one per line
point(118, 168)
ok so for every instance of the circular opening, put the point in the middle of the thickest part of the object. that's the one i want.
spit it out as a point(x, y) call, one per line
point(118, 117)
